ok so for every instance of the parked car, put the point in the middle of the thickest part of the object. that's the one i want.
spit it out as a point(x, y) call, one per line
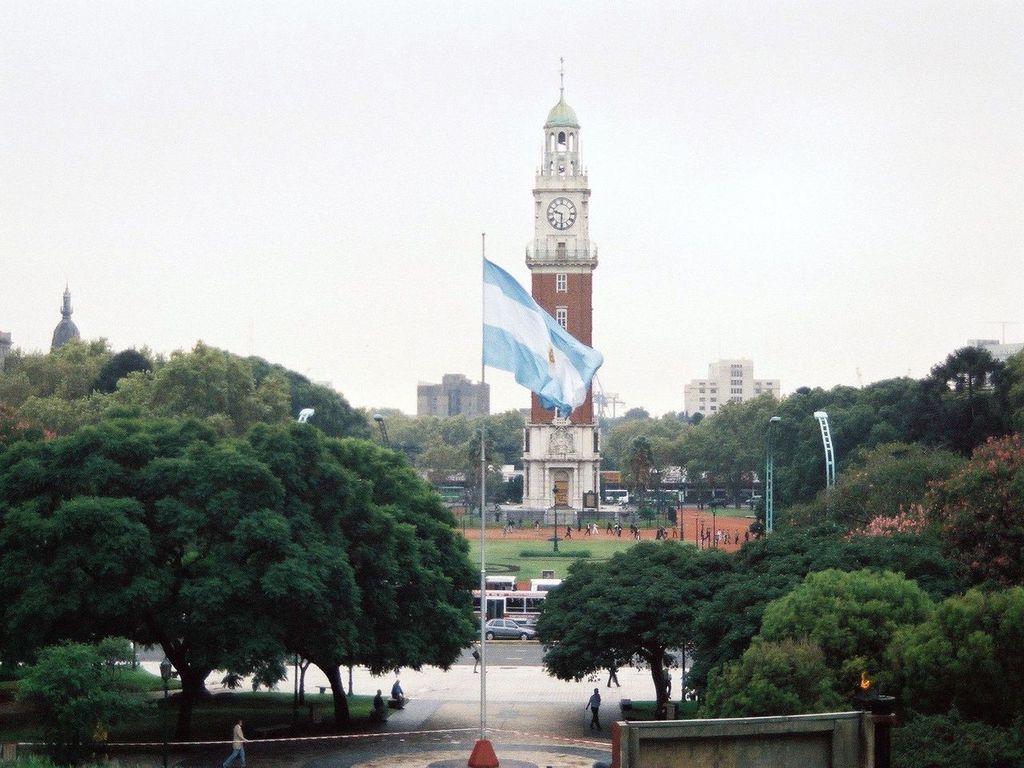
point(506, 629)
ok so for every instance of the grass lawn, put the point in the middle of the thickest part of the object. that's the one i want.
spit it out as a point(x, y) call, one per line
point(503, 554)
point(213, 718)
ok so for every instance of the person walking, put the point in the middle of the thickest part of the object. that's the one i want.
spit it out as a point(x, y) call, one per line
point(613, 676)
point(476, 658)
point(237, 746)
point(594, 704)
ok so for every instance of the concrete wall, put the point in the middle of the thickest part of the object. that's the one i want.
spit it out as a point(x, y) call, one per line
point(835, 740)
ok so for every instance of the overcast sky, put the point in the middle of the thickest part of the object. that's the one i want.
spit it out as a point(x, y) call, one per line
point(822, 187)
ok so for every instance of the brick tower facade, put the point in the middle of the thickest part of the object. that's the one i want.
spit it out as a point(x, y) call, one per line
point(561, 456)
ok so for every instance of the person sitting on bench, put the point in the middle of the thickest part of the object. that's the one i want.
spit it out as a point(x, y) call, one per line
point(397, 694)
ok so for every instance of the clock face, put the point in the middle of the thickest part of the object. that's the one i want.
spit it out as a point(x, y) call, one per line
point(561, 213)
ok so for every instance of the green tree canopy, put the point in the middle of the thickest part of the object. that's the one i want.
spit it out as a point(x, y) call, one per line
point(852, 616)
point(879, 482)
point(163, 531)
point(640, 603)
point(77, 689)
point(967, 656)
point(773, 678)
point(981, 512)
point(768, 568)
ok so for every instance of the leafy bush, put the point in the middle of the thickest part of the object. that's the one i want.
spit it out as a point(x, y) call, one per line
point(78, 692)
point(952, 742)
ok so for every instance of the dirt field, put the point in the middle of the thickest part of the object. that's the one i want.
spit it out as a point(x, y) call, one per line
point(732, 524)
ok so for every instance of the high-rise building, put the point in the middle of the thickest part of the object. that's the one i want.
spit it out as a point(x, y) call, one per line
point(456, 395)
point(999, 351)
point(561, 455)
point(728, 381)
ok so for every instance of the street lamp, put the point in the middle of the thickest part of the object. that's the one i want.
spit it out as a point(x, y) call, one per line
point(554, 497)
point(379, 418)
point(165, 675)
point(769, 475)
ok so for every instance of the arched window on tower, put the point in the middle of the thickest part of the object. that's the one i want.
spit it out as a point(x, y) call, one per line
point(572, 142)
point(561, 141)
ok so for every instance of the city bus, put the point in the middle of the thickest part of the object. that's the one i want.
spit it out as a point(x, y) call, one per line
point(520, 605)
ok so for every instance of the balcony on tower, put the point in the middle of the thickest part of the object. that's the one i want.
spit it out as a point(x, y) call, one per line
point(562, 255)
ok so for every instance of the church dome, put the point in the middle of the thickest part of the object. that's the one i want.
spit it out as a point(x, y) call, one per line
point(66, 330)
point(562, 116)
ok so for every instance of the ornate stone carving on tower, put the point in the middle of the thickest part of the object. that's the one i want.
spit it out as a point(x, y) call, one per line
point(561, 456)
point(66, 330)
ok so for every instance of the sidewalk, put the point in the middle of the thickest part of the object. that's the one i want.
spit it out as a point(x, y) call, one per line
point(532, 719)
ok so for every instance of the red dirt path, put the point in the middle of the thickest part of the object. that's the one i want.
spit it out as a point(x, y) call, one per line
point(693, 519)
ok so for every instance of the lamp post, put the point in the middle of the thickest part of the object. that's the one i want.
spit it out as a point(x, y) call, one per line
point(165, 675)
point(769, 475)
point(554, 498)
point(379, 418)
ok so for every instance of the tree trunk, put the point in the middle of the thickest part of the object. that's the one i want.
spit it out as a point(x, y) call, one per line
point(660, 677)
point(341, 716)
point(193, 686)
point(303, 666)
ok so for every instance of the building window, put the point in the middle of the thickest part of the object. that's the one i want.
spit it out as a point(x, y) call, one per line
point(714, 399)
point(702, 400)
point(736, 382)
point(757, 390)
point(714, 407)
point(702, 390)
point(561, 283)
point(737, 390)
point(562, 316)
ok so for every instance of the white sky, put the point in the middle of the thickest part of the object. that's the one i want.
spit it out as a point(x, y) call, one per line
point(819, 186)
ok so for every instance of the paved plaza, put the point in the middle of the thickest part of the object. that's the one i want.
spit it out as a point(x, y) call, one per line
point(532, 720)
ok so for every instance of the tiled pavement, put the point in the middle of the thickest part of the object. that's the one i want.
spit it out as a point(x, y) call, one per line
point(532, 719)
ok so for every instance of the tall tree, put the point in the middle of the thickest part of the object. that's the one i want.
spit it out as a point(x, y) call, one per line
point(966, 655)
point(641, 603)
point(153, 530)
point(374, 573)
point(981, 512)
point(967, 399)
point(852, 616)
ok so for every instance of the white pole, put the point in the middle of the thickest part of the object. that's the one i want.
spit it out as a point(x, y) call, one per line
point(483, 530)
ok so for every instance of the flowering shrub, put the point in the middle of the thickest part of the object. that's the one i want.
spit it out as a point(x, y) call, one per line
point(981, 512)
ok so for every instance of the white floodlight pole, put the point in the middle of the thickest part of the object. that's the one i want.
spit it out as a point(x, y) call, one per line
point(826, 439)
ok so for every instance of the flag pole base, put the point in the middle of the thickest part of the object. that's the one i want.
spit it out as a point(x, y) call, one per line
point(483, 755)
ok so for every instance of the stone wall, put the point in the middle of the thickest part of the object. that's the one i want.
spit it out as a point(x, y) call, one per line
point(835, 740)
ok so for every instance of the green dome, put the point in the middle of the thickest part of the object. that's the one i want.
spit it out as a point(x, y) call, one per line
point(562, 116)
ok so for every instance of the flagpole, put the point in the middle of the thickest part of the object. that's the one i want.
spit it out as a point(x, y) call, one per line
point(483, 751)
point(483, 520)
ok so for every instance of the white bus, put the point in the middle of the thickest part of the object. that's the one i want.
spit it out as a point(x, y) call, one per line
point(520, 605)
point(543, 585)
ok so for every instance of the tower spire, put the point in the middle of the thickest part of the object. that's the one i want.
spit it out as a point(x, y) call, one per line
point(561, 77)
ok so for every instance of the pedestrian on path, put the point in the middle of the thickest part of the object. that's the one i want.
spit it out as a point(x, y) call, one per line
point(237, 746)
point(476, 658)
point(594, 704)
point(613, 677)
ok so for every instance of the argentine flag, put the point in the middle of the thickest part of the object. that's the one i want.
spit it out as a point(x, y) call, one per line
point(522, 338)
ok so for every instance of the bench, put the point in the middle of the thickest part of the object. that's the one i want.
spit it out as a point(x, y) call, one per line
point(396, 703)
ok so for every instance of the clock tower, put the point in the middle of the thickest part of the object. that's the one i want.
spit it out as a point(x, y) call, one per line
point(561, 454)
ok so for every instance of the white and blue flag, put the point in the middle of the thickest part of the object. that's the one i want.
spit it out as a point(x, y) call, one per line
point(522, 338)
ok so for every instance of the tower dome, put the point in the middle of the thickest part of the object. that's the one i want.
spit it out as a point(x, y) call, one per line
point(562, 116)
point(66, 330)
